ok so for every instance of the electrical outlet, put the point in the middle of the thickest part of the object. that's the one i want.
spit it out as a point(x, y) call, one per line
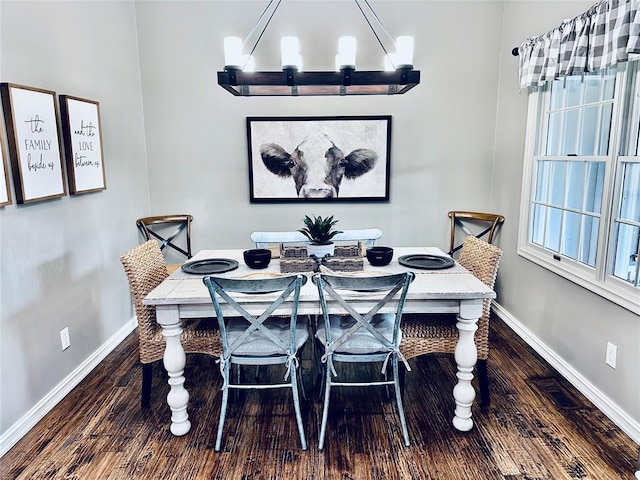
point(612, 354)
point(65, 340)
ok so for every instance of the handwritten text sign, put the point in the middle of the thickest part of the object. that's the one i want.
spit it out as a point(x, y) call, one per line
point(83, 144)
point(32, 125)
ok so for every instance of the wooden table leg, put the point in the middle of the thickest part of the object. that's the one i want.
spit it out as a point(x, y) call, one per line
point(174, 362)
point(466, 355)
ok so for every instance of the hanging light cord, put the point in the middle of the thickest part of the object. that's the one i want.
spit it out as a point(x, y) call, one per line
point(263, 30)
point(373, 30)
point(255, 27)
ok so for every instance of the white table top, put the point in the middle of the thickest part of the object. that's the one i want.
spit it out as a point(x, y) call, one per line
point(449, 286)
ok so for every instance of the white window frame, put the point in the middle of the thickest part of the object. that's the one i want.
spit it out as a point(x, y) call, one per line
point(599, 279)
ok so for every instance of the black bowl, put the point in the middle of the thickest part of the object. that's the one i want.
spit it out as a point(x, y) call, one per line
point(257, 257)
point(379, 256)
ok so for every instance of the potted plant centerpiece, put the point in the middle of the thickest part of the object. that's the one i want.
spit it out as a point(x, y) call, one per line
point(320, 232)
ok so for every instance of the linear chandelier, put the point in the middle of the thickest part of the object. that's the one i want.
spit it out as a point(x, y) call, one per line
point(239, 78)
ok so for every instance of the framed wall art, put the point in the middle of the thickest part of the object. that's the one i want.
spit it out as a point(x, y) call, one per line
point(325, 159)
point(31, 119)
point(82, 136)
point(5, 190)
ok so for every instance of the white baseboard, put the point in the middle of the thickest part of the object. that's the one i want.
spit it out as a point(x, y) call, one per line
point(51, 399)
point(607, 406)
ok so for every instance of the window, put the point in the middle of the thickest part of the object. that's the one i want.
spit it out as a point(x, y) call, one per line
point(581, 190)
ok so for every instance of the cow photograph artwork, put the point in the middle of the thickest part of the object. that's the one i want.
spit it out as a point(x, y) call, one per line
point(294, 159)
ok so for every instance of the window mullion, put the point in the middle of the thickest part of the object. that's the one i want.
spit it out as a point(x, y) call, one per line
point(613, 172)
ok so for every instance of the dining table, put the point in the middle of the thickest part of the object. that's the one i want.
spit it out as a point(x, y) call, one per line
point(454, 289)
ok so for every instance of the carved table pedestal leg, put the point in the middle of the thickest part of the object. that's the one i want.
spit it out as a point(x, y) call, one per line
point(466, 355)
point(174, 362)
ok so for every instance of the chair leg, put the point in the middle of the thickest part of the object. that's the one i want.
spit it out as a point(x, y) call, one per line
point(296, 405)
point(385, 375)
point(320, 375)
point(238, 394)
point(402, 374)
point(147, 378)
point(223, 407)
point(325, 410)
point(483, 383)
point(318, 363)
point(321, 388)
point(403, 420)
point(301, 378)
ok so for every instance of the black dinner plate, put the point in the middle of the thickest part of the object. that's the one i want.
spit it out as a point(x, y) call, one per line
point(426, 262)
point(210, 265)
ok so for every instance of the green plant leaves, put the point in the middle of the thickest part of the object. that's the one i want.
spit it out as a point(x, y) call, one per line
point(319, 230)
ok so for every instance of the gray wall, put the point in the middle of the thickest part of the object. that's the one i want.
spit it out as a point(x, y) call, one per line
point(60, 258)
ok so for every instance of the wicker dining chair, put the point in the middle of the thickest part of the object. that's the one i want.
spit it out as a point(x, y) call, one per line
point(145, 268)
point(167, 230)
point(424, 334)
point(471, 223)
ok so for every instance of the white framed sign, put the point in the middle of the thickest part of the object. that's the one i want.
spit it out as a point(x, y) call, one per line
point(82, 137)
point(31, 119)
point(5, 192)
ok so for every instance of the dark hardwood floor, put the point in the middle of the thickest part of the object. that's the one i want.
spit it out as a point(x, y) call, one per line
point(537, 427)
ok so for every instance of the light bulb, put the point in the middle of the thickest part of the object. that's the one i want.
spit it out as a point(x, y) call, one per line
point(347, 52)
point(404, 51)
point(233, 52)
point(289, 51)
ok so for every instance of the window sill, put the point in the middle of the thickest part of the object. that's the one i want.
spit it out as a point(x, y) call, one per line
point(613, 290)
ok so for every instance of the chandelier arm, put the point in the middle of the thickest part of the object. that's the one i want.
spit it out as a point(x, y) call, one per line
point(373, 30)
point(263, 30)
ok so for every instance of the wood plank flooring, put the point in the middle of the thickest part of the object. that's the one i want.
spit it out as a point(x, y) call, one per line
point(537, 427)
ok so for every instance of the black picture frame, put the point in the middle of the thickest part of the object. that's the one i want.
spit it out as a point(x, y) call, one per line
point(319, 159)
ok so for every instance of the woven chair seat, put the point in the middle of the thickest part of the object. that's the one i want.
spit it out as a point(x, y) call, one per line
point(201, 336)
point(198, 336)
point(437, 333)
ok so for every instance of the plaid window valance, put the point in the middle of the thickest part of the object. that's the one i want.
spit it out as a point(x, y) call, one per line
point(606, 34)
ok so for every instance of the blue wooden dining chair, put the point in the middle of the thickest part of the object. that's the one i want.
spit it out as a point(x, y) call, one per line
point(262, 339)
point(372, 337)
